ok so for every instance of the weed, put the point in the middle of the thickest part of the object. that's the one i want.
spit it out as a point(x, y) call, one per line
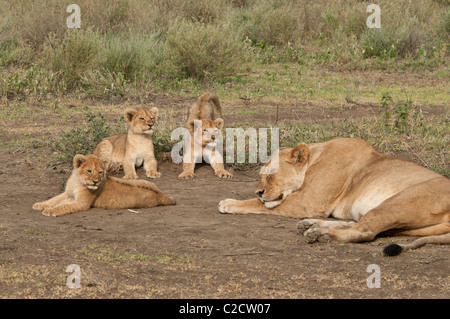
point(82, 140)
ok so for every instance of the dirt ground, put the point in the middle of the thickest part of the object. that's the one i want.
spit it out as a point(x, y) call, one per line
point(189, 250)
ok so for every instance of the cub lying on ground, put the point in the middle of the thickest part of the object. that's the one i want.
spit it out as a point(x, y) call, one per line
point(206, 109)
point(347, 179)
point(133, 149)
point(88, 186)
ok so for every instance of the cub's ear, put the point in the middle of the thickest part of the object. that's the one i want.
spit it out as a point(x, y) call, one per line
point(129, 114)
point(78, 160)
point(155, 113)
point(219, 123)
point(299, 154)
point(190, 125)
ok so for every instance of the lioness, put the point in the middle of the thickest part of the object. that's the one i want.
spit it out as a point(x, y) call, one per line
point(88, 186)
point(347, 179)
point(207, 109)
point(135, 148)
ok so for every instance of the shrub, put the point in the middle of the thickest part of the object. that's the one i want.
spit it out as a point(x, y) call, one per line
point(270, 23)
point(74, 55)
point(378, 42)
point(82, 140)
point(202, 50)
point(33, 81)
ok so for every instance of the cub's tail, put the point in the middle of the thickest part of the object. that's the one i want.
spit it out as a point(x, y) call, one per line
point(210, 97)
point(396, 249)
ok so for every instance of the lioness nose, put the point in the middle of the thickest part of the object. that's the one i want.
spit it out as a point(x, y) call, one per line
point(213, 137)
point(260, 193)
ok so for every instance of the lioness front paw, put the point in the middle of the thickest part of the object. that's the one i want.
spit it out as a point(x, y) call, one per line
point(186, 175)
point(153, 174)
point(317, 234)
point(306, 224)
point(228, 206)
point(224, 174)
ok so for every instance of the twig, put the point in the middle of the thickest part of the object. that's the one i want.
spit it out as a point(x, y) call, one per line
point(424, 163)
point(236, 193)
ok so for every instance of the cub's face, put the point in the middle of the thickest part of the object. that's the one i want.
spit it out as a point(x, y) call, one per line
point(282, 175)
point(141, 120)
point(209, 130)
point(90, 170)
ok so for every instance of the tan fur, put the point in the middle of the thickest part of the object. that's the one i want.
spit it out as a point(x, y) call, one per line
point(207, 109)
point(347, 179)
point(88, 186)
point(133, 149)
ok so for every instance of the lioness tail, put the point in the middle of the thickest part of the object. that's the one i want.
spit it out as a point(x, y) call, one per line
point(396, 249)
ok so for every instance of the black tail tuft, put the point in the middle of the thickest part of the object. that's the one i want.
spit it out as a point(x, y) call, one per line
point(392, 250)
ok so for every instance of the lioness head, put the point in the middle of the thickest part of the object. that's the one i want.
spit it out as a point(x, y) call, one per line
point(141, 120)
point(208, 129)
point(282, 175)
point(90, 170)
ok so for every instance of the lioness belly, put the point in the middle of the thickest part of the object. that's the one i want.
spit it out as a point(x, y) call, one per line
point(356, 208)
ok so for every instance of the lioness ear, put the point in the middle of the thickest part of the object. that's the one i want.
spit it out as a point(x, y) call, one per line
point(219, 123)
point(155, 112)
point(78, 160)
point(129, 114)
point(299, 154)
point(190, 126)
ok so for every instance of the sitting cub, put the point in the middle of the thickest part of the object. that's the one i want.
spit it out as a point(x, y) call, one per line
point(134, 148)
point(88, 186)
point(207, 111)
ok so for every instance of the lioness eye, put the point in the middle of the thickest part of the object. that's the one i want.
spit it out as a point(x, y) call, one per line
point(141, 118)
point(100, 172)
point(89, 171)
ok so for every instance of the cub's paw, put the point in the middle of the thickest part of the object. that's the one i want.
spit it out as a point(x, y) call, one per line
point(224, 174)
point(317, 234)
point(186, 175)
point(229, 206)
point(130, 176)
point(50, 212)
point(40, 206)
point(153, 174)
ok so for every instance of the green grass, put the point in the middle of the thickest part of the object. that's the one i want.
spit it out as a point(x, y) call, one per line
point(139, 45)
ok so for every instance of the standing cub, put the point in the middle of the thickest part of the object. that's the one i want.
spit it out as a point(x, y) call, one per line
point(88, 186)
point(133, 149)
point(203, 137)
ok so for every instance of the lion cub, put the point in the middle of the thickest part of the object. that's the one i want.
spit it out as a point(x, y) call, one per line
point(207, 109)
point(133, 149)
point(88, 186)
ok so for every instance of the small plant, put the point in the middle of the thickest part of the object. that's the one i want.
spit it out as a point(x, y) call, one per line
point(402, 111)
point(82, 140)
point(385, 100)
